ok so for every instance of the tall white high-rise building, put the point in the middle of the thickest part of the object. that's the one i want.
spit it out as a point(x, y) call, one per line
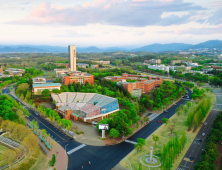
point(72, 57)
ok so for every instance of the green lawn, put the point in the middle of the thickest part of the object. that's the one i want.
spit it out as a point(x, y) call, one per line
point(2, 148)
point(163, 132)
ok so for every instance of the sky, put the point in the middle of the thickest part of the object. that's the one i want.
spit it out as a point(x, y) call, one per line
point(109, 23)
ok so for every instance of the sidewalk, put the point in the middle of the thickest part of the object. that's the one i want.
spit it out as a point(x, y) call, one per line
point(61, 157)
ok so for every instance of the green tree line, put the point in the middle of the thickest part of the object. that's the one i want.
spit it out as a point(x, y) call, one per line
point(171, 150)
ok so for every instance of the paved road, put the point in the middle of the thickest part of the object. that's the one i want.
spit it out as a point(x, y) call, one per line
point(197, 147)
point(101, 157)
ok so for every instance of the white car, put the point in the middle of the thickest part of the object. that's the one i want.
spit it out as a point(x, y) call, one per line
point(203, 134)
point(36, 113)
point(205, 123)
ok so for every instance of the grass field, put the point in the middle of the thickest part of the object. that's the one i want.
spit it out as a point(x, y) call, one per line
point(2, 148)
point(42, 162)
point(163, 132)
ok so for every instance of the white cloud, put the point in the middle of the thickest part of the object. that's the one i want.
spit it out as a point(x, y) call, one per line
point(112, 12)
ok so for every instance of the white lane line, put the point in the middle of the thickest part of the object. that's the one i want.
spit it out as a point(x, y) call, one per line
point(129, 141)
point(75, 149)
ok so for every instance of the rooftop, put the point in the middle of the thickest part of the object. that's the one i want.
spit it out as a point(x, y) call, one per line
point(83, 63)
point(46, 85)
point(149, 81)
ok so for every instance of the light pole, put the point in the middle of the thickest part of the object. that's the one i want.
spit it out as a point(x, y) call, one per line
point(65, 147)
point(204, 150)
point(123, 134)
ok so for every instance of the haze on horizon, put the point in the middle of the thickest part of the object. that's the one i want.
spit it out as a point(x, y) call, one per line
point(106, 23)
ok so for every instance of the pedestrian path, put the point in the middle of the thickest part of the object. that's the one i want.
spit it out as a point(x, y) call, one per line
point(132, 142)
point(75, 149)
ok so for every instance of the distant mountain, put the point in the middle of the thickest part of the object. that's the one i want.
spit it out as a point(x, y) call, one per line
point(163, 47)
point(218, 47)
point(21, 49)
point(207, 44)
point(115, 49)
point(149, 48)
point(92, 49)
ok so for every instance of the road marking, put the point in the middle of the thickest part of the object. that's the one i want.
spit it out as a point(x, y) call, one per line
point(129, 141)
point(216, 110)
point(75, 149)
point(153, 116)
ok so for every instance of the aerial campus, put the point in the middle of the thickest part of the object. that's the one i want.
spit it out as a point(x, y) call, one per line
point(88, 93)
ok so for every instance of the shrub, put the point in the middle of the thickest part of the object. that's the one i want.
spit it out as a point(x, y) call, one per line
point(53, 159)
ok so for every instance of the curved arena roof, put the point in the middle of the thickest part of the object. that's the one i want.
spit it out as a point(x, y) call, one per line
point(86, 105)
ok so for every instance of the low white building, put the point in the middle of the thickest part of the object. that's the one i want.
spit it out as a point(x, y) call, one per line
point(136, 92)
point(39, 80)
point(103, 62)
point(59, 72)
point(192, 64)
point(159, 67)
point(82, 65)
point(38, 88)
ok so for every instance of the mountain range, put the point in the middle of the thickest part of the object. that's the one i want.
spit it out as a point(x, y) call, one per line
point(211, 44)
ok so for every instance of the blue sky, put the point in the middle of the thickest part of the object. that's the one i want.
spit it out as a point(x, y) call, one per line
point(106, 23)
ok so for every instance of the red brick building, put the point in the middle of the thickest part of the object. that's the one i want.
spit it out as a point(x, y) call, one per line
point(146, 86)
point(143, 82)
point(78, 77)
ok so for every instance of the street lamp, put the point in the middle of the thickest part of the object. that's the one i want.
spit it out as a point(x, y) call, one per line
point(123, 133)
point(204, 150)
point(65, 147)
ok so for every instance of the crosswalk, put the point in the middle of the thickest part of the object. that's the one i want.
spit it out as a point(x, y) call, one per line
point(132, 142)
point(153, 116)
point(75, 149)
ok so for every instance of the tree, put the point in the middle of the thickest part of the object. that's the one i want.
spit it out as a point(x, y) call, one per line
point(156, 138)
point(140, 143)
point(165, 120)
point(171, 127)
point(9, 156)
point(56, 91)
point(46, 93)
point(35, 124)
point(114, 133)
point(44, 133)
point(30, 142)
point(185, 109)
point(174, 121)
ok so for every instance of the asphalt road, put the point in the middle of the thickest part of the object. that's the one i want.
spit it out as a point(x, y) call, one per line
point(197, 147)
point(101, 157)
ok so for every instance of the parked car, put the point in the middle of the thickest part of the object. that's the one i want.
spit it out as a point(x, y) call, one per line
point(36, 113)
point(200, 140)
point(205, 123)
point(203, 134)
